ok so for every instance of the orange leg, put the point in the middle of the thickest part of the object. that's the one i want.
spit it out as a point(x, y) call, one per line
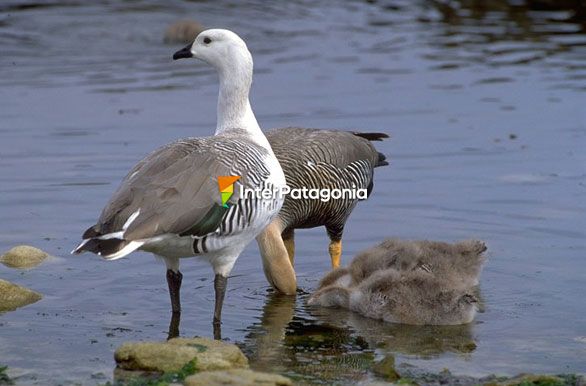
point(335, 250)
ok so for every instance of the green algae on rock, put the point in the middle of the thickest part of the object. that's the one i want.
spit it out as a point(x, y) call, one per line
point(240, 377)
point(385, 368)
point(4, 378)
point(172, 355)
point(23, 257)
point(537, 380)
point(143, 378)
point(13, 296)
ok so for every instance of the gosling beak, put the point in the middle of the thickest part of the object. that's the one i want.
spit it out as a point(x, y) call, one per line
point(185, 52)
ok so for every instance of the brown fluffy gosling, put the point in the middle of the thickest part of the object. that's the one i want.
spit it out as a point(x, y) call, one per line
point(411, 297)
point(459, 263)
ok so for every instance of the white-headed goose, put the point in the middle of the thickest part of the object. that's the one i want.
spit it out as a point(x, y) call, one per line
point(170, 203)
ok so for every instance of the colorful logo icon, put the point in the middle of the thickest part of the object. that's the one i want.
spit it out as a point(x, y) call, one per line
point(226, 185)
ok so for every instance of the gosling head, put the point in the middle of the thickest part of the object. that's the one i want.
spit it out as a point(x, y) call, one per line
point(331, 296)
point(220, 48)
point(466, 307)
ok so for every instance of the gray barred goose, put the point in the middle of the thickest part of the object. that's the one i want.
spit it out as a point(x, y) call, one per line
point(314, 158)
point(170, 203)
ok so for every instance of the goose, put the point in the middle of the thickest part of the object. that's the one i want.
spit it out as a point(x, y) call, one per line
point(460, 262)
point(315, 159)
point(409, 297)
point(170, 203)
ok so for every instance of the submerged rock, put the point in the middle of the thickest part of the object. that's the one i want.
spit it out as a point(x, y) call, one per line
point(172, 355)
point(13, 296)
point(23, 257)
point(182, 31)
point(241, 377)
point(530, 380)
point(386, 369)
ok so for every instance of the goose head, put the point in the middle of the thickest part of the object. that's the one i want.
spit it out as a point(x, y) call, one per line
point(221, 49)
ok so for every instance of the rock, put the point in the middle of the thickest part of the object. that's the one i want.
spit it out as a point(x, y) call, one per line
point(173, 354)
point(13, 296)
point(182, 31)
point(386, 369)
point(529, 380)
point(240, 377)
point(23, 257)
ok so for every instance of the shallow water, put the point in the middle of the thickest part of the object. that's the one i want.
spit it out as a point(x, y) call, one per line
point(485, 106)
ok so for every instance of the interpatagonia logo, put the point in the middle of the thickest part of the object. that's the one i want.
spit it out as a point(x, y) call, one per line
point(226, 186)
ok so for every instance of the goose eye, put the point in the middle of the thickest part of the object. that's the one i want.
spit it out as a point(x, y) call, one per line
point(207, 40)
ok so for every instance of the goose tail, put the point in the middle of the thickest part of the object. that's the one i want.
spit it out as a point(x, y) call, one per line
point(108, 248)
point(382, 159)
point(371, 136)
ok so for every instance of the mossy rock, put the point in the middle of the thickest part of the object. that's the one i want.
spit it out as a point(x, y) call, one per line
point(386, 369)
point(531, 380)
point(4, 378)
point(172, 355)
point(13, 296)
point(240, 377)
point(23, 257)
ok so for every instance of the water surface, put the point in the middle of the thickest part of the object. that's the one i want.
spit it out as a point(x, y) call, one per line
point(485, 106)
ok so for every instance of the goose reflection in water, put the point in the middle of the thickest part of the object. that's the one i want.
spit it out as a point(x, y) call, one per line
point(337, 344)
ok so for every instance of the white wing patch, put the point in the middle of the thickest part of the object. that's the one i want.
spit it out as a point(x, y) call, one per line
point(130, 220)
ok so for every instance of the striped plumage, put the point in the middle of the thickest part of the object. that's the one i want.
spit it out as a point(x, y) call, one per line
point(323, 159)
point(154, 205)
point(170, 203)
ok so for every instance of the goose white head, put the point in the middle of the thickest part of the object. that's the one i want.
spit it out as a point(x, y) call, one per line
point(229, 55)
point(220, 48)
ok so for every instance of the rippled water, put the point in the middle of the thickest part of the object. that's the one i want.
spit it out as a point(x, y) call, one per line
point(485, 102)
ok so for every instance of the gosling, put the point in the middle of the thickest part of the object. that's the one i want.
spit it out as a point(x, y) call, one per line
point(459, 263)
point(411, 297)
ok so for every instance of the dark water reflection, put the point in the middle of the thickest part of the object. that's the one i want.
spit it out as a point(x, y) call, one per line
point(484, 101)
point(331, 345)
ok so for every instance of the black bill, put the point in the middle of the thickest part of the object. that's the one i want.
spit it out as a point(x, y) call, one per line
point(185, 52)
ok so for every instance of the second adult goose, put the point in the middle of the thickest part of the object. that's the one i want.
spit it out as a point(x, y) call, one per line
point(315, 159)
point(170, 203)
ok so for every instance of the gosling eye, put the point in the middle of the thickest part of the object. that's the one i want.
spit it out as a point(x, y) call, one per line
point(207, 40)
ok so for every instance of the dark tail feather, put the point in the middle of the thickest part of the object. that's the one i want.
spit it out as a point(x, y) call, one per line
point(371, 136)
point(90, 232)
point(103, 248)
point(375, 137)
point(382, 160)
